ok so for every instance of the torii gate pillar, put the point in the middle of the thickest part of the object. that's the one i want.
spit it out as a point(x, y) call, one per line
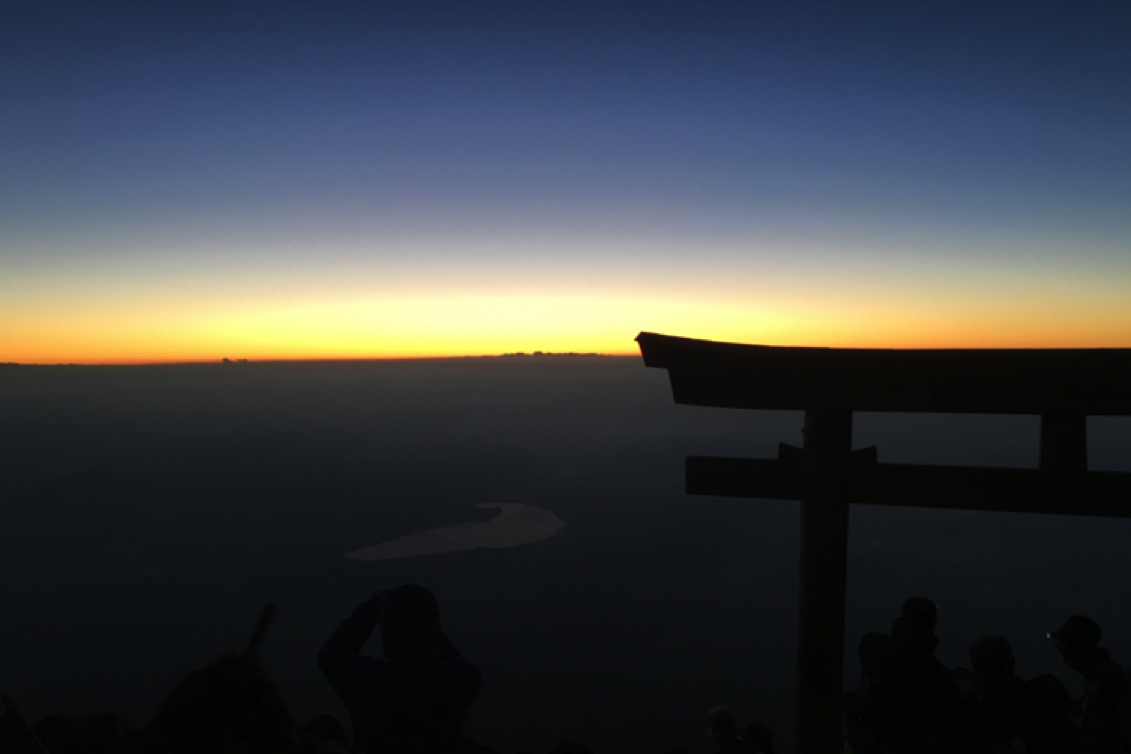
point(824, 552)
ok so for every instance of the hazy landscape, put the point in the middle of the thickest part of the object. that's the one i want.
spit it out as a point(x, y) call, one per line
point(151, 510)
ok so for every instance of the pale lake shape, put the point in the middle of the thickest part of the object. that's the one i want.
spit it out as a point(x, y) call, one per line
point(516, 524)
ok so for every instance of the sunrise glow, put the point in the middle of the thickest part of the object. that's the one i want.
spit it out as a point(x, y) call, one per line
point(405, 188)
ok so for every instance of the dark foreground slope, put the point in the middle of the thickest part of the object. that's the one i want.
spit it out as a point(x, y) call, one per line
point(151, 510)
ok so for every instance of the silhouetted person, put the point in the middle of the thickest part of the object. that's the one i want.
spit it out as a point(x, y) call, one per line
point(62, 734)
point(994, 702)
point(871, 711)
point(922, 612)
point(1078, 643)
point(103, 733)
point(925, 702)
point(965, 680)
point(414, 700)
point(1046, 721)
point(722, 729)
point(16, 735)
point(109, 734)
point(229, 706)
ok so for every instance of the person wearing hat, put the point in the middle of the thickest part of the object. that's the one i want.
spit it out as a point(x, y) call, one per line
point(926, 710)
point(994, 704)
point(1078, 640)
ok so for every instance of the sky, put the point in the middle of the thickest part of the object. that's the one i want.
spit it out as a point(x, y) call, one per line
point(190, 180)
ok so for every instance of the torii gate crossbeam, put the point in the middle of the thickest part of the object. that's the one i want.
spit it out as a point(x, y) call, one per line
point(1062, 386)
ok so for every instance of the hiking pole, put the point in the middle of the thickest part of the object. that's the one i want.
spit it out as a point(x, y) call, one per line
point(265, 616)
point(10, 708)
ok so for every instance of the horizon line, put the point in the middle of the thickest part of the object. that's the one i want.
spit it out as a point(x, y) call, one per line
point(225, 361)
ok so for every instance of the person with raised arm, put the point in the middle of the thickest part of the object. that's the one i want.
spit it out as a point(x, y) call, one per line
point(415, 699)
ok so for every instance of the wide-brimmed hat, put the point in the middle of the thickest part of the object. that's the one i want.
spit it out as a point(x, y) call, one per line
point(1077, 631)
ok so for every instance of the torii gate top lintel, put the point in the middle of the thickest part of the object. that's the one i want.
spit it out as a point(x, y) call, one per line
point(1085, 381)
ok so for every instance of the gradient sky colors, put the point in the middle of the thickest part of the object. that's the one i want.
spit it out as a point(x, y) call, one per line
point(186, 181)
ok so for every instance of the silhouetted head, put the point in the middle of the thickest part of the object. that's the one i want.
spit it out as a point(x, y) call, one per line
point(1078, 631)
point(913, 638)
point(921, 611)
point(230, 705)
point(991, 657)
point(1077, 641)
point(410, 623)
point(722, 725)
point(875, 651)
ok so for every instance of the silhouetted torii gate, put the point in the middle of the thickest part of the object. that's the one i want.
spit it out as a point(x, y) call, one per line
point(1062, 386)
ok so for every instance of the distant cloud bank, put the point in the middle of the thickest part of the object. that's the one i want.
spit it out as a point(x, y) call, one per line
point(516, 524)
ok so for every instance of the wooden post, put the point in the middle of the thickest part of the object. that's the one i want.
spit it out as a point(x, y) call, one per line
point(1064, 443)
point(824, 551)
point(260, 631)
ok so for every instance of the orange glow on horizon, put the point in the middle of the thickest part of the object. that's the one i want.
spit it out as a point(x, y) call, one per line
point(478, 325)
point(186, 327)
point(160, 310)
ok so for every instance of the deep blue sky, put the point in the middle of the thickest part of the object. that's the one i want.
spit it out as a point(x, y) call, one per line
point(552, 148)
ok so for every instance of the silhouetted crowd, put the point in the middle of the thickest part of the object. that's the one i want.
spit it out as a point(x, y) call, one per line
point(414, 700)
point(908, 701)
